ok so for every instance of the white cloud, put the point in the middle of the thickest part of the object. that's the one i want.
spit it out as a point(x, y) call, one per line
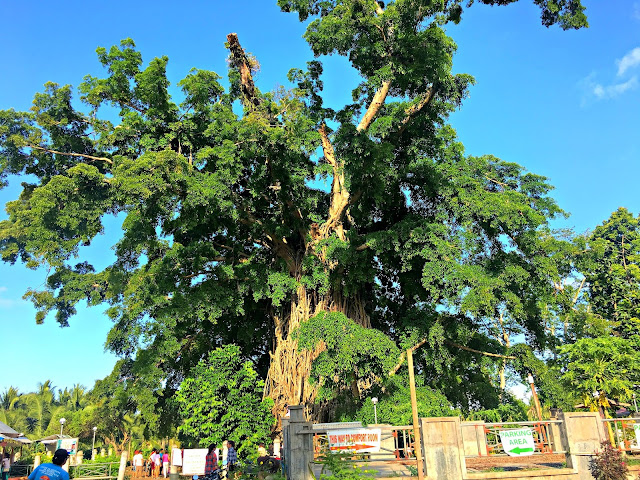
point(630, 60)
point(3, 289)
point(636, 10)
point(603, 92)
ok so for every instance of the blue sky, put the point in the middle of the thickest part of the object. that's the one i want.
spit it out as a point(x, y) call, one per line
point(562, 104)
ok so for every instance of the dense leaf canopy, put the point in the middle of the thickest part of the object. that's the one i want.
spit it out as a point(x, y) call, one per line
point(246, 213)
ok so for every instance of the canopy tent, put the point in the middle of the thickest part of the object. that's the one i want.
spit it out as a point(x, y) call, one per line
point(52, 439)
point(9, 436)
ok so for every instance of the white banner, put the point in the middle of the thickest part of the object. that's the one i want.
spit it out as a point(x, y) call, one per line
point(360, 440)
point(636, 429)
point(69, 444)
point(193, 461)
point(517, 442)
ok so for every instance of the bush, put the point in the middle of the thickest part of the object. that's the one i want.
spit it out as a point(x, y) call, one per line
point(608, 464)
point(339, 469)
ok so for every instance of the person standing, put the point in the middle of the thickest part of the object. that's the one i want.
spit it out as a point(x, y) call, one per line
point(232, 457)
point(6, 466)
point(54, 470)
point(138, 464)
point(211, 464)
point(165, 463)
point(157, 462)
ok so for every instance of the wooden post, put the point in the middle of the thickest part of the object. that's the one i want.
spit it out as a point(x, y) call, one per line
point(417, 447)
point(536, 401)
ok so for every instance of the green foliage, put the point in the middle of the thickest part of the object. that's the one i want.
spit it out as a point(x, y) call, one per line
point(336, 466)
point(227, 236)
point(608, 365)
point(222, 400)
point(510, 410)
point(394, 405)
point(604, 357)
point(352, 352)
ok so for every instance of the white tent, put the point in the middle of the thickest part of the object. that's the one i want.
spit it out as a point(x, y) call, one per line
point(10, 436)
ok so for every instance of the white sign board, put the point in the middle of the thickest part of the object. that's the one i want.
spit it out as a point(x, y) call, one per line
point(636, 429)
point(69, 444)
point(517, 442)
point(193, 461)
point(360, 440)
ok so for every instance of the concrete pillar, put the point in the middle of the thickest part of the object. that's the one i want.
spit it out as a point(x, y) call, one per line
point(473, 438)
point(123, 465)
point(582, 433)
point(443, 448)
point(79, 457)
point(103, 452)
point(36, 461)
point(298, 447)
point(173, 473)
point(110, 451)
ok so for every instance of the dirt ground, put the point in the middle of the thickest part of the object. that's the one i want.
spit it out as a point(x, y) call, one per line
point(478, 464)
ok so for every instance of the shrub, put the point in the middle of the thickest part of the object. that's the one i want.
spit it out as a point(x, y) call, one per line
point(608, 464)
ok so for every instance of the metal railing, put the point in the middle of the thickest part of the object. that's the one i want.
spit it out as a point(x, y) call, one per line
point(20, 470)
point(541, 432)
point(402, 451)
point(95, 470)
point(625, 433)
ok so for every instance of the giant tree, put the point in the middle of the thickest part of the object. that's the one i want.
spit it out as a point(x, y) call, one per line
point(229, 234)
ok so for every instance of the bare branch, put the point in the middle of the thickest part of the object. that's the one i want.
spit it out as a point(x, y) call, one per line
point(486, 354)
point(327, 148)
point(240, 61)
point(404, 354)
point(90, 157)
point(374, 106)
point(492, 180)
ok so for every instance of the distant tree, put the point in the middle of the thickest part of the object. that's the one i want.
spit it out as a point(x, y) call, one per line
point(603, 361)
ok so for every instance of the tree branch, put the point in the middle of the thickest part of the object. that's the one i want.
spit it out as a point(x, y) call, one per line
point(90, 157)
point(413, 110)
point(395, 369)
point(374, 106)
point(404, 354)
point(486, 354)
point(240, 61)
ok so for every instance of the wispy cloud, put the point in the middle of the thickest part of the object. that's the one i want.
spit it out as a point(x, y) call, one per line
point(622, 82)
point(630, 60)
point(615, 90)
point(636, 10)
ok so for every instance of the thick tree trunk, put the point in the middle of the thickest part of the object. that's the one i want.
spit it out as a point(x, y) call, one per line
point(287, 381)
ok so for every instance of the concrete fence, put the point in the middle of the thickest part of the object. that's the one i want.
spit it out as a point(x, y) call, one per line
point(447, 443)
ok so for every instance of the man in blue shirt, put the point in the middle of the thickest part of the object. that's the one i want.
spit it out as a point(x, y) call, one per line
point(52, 471)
